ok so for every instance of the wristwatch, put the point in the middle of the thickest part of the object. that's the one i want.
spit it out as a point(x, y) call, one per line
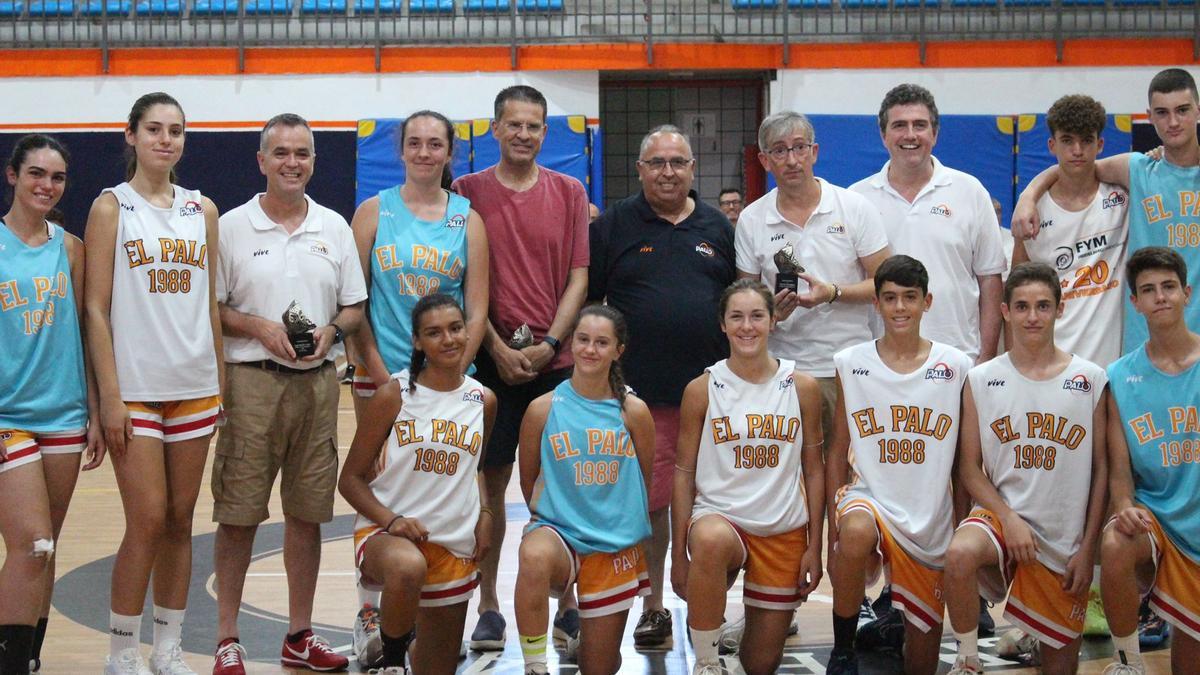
point(837, 293)
point(338, 334)
point(552, 341)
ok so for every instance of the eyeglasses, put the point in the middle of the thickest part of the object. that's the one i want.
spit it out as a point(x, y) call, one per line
point(780, 153)
point(657, 164)
point(532, 128)
point(729, 202)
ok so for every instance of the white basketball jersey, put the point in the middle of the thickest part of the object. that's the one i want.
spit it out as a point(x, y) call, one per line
point(162, 334)
point(1037, 447)
point(748, 467)
point(1088, 249)
point(427, 468)
point(903, 440)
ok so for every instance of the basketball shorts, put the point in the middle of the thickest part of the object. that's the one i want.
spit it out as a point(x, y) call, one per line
point(449, 580)
point(771, 564)
point(24, 447)
point(606, 583)
point(174, 421)
point(1173, 582)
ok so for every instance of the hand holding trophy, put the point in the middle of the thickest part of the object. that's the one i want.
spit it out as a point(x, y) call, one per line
point(299, 331)
point(521, 338)
point(789, 270)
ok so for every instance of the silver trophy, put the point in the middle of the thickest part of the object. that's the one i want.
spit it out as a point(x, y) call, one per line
point(521, 337)
point(787, 278)
point(299, 330)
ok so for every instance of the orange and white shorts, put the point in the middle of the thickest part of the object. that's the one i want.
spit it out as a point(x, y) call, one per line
point(25, 447)
point(363, 386)
point(449, 580)
point(1173, 583)
point(916, 587)
point(1037, 602)
point(772, 565)
point(606, 583)
point(173, 421)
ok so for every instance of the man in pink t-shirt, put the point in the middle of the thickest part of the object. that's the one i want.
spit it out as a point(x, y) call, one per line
point(537, 227)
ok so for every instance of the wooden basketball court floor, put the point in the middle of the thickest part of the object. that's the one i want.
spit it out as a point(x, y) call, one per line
point(77, 640)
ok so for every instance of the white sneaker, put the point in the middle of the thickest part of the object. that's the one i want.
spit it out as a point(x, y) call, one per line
point(1117, 668)
point(730, 640)
point(169, 661)
point(712, 668)
point(571, 652)
point(128, 662)
point(966, 665)
point(1014, 643)
point(390, 670)
point(368, 641)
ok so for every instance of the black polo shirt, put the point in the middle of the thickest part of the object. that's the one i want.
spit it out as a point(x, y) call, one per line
point(667, 280)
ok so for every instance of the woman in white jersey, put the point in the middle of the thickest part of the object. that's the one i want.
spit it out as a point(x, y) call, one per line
point(154, 337)
point(411, 475)
point(749, 488)
point(48, 399)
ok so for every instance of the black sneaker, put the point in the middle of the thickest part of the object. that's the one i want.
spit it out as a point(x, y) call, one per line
point(1152, 630)
point(883, 604)
point(653, 630)
point(842, 662)
point(885, 634)
point(866, 613)
point(566, 627)
point(987, 625)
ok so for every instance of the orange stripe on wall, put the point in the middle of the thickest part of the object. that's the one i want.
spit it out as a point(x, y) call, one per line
point(667, 56)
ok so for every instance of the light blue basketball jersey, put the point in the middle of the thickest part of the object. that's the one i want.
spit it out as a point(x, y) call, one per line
point(42, 370)
point(590, 489)
point(1164, 210)
point(410, 259)
point(1159, 414)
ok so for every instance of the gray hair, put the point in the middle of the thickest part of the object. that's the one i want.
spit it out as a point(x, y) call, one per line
point(780, 124)
point(663, 129)
point(286, 120)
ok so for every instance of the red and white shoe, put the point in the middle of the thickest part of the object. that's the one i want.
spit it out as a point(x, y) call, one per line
point(230, 658)
point(312, 652)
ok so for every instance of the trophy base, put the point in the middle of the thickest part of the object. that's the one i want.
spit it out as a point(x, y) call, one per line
point(787, 282)
point(303, 344)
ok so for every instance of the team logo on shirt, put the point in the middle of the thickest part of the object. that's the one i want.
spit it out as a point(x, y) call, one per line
point(940, 372)
point(1078, 383)
point(126, 207)
point(456, 221)
point(190, 208)
point(473, 396)
point(787, 382)
point(861, 371)
point(941, 210)
point(1064, 257)
point(646, 249)
point(995, 383)
point(836, 228)
point(319, 248)
point(1133, 379)
point(261, 251)
point(1113, 200)
point(777, 237)
point(704, 249)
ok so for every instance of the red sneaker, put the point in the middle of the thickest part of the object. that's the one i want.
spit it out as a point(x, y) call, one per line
point(312, 652)
point(229, 659)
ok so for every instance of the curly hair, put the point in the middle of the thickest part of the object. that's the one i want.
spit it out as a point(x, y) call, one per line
point(1076, 114)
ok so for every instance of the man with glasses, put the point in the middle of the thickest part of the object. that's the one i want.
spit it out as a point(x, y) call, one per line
point(536, 222)
point(730, 202)
point(663, 257)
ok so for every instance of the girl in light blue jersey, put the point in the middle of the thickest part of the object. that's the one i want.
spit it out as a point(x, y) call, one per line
point(46, 397)
point(585, 454)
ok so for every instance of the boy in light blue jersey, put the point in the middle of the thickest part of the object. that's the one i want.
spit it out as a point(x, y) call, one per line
point(1154, 469)
point(1164, 207)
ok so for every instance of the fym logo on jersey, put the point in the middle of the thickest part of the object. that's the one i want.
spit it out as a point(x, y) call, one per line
point(939, 371)
point(940, 210)
point(1078, 383)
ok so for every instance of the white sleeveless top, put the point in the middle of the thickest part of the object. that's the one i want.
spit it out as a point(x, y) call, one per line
point(162, 334)
point(748, 466)
point(903, 439)
point(427, 468)
point(1037, 447)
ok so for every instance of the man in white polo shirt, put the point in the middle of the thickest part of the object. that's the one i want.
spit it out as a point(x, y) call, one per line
point(834, 234)
point(942, 217)
point(278, 248)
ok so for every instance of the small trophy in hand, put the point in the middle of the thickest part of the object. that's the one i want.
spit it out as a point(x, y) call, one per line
point(299, 331)
point(789, 268)
point(521, 337)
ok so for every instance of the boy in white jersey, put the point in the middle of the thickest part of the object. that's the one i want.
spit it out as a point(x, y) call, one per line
point(1033, 459)
point(1083, 232)
point(895, 425)
point(1153, 538)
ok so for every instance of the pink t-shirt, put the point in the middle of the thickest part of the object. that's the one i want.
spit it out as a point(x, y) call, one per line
point(536, 238)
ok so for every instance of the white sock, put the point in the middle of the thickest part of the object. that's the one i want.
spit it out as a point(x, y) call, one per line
point(124, 632)
point(968, 643)
point(367, 597)
point(704, 643)
point(1127, 650)
point(168, 627)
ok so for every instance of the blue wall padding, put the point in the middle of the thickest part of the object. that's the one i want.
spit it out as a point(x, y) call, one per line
point(378, 166)
point(1034, 156)
point(851, 149)
point(596, 186)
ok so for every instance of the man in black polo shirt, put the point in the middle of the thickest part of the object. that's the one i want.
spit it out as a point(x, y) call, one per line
point(663, 257)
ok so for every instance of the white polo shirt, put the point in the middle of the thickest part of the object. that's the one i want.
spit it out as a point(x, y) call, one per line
point(262, 269)
point(842, 229)
point(951, 228)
